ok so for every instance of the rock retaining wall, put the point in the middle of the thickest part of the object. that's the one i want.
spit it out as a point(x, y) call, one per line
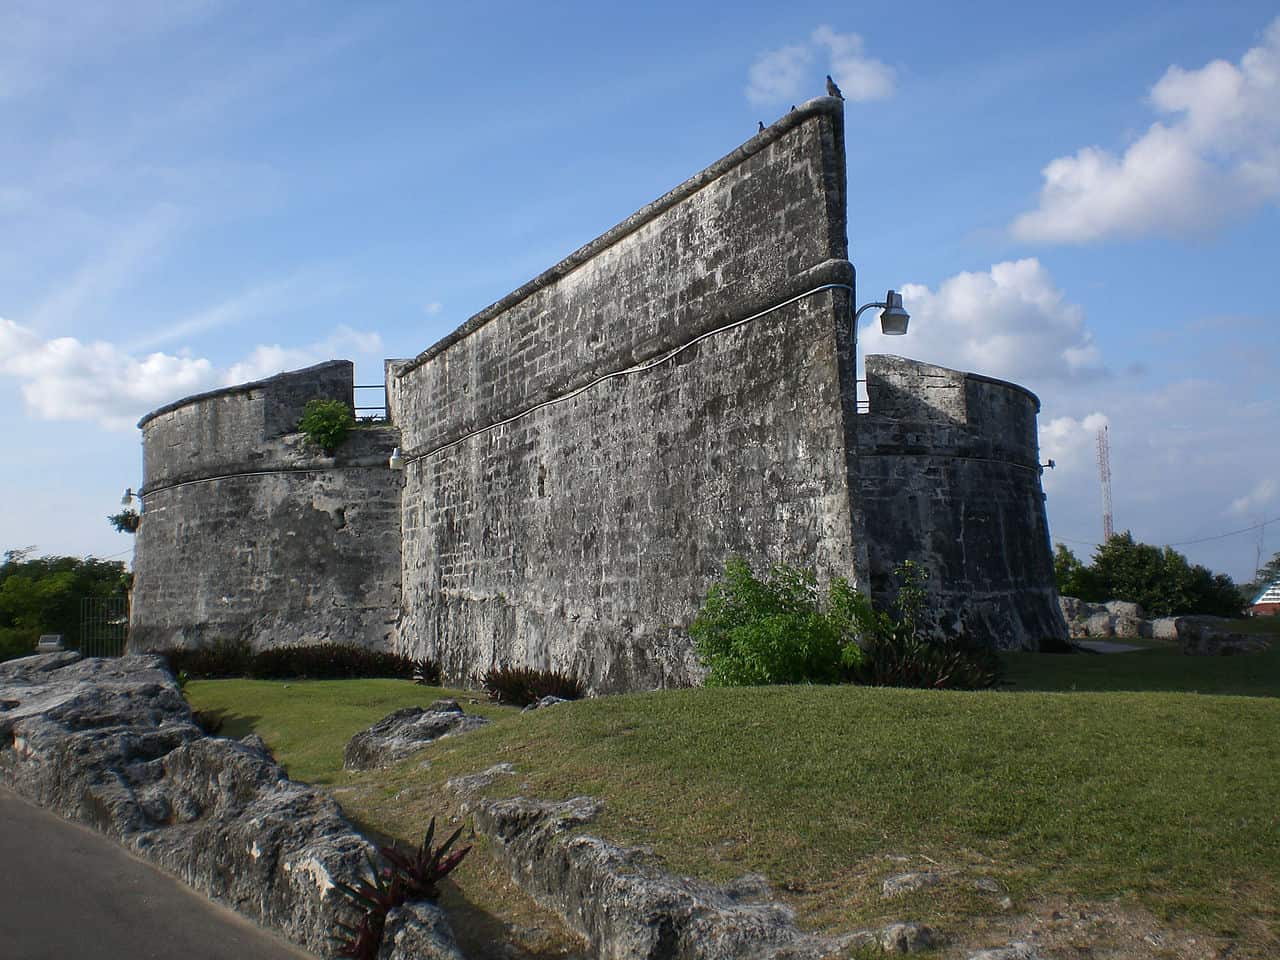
point(111, 743)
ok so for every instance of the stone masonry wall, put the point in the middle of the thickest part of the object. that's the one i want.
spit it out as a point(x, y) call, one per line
point(248, 532)
point(583, 535)
point(949, 476)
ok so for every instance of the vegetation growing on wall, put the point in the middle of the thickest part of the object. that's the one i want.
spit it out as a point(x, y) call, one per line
point(1159, 579)
point(42, 595)
point(326, 423)
point(126, 521)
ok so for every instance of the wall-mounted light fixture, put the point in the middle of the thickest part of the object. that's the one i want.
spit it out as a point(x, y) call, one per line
point(129, 497)
point(396, 461)
point(893, 321)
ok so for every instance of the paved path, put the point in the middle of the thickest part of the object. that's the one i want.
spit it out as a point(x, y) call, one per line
point(72, 894)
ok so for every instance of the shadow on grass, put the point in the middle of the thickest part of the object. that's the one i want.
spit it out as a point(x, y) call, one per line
point(1156, 669)
point(224, 723)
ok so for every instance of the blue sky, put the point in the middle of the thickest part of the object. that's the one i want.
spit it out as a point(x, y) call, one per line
point(1084, 199)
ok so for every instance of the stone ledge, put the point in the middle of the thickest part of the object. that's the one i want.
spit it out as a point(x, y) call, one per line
point(112, 743)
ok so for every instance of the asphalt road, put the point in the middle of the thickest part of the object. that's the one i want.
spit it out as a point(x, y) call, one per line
point(69, 893)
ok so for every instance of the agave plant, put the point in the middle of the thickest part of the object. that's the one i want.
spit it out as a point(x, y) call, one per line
point(421, 870)
point(376, 898)
point(411, 875)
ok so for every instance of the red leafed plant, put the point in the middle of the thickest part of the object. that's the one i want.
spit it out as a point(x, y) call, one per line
point(411, 875)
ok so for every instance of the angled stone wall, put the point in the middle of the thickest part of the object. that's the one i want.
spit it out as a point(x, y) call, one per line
point(949, 476)
point(579, 531)
point(249, 533)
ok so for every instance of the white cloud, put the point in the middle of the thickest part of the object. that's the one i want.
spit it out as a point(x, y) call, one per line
point(860, 77)
point(785, 74)
point(1217, 155)
point(433, 308)
point(267, 360)
point(1071, 444)
point(1010, 322)
point(1263, 496)
point(66, 379)
point(779, 75)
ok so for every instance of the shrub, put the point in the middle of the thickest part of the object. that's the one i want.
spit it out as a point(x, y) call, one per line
point(17, 642)
point(409, 875)
point(326, 423)
point(222, 658)
point(899, 649)
point(326, 661)
point(521, 686)
point(751, 631)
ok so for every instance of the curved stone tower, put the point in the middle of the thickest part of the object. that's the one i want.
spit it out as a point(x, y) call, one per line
point(251, 533)
point(949, 477)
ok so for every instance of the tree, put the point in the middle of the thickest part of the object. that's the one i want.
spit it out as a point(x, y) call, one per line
point(1160, 580)
point(42, 595)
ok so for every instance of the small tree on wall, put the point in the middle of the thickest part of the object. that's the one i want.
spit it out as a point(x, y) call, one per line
point(126, 521)
point(326, 423)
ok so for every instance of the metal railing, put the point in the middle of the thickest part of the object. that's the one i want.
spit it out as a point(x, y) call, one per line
point(104, 626)
point(377, 411)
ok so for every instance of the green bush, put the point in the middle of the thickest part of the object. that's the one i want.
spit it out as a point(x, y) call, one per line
point(17, 642)
point(324, 661)
point(326, 423)
point(521, 686)
point(751, 631)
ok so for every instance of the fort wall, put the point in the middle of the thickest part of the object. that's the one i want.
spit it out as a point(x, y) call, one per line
point(579, 531)
point(250, 533)
point(949, 476)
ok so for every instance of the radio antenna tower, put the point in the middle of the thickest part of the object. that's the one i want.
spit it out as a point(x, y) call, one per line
point(1104, 474)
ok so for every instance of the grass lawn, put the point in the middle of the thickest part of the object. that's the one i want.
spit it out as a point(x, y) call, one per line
point(1126, 788)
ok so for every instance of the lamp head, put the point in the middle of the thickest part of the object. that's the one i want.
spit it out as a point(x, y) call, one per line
point(127, 499)
point(893, 320)
point(396, 462)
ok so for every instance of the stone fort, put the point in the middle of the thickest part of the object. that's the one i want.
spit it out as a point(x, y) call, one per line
point(581, 458)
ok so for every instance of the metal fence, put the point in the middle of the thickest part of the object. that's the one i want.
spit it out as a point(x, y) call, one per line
point(371, 406)
point(104, 626)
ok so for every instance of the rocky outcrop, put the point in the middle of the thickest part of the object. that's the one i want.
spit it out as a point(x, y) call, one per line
point(112, 743)
point(627, 908)
point(1117, 619)
point(418, 931)
point(406, 731)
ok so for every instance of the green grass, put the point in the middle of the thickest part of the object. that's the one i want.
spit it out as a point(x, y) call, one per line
point(1163, 799)
point(308, 722)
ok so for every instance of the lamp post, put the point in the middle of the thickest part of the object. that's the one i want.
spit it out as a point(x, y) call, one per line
point(893, 321)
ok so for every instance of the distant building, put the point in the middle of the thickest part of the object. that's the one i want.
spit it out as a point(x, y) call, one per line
point(1267, 603)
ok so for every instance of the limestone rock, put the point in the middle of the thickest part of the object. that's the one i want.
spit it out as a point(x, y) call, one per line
point(624, 906)
point(905, 882)
point(418, 931)
point(1123, 608)
point(405, 731)
point(547, 701)
point(112, 743)
point(1018, 950)
point(907, 938)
